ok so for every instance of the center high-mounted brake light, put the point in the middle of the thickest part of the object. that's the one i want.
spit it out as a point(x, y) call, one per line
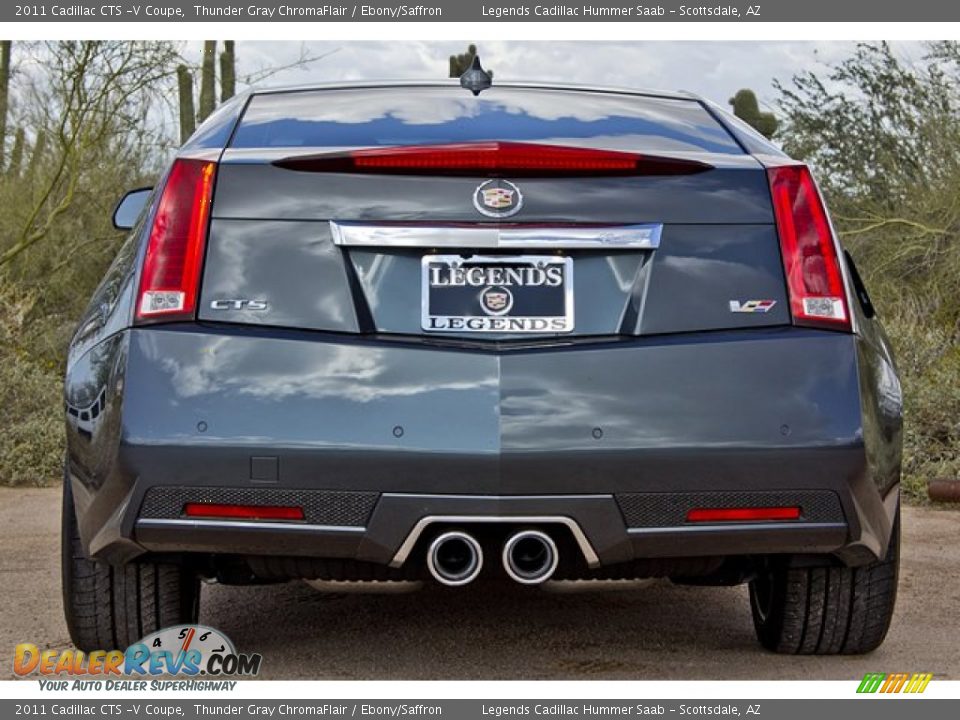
point(171, 266)
point(814, 278)
point(493, 159)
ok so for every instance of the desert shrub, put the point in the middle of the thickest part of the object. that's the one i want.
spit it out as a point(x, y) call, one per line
point(31, 443)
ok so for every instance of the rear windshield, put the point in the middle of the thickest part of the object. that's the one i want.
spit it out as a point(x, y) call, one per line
point(432, 115)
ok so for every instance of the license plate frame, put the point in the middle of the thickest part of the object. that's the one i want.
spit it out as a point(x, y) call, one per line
point(494, 302)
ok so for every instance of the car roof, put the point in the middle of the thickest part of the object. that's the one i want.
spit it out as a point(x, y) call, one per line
point(454, 83)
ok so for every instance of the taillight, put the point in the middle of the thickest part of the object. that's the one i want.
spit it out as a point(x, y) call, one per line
point(493, 159)
point(814, 278)
point(171, 267)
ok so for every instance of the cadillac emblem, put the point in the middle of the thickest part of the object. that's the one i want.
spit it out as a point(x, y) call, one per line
point(496, 300)
point(498, 198)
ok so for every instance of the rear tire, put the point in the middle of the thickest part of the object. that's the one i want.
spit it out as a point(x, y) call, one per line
point(826, 610)
point(110, 607)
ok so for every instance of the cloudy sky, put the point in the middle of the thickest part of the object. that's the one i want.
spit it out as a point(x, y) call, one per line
point(715, 70)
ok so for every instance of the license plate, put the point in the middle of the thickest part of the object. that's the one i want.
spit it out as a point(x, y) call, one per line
point(509, 294)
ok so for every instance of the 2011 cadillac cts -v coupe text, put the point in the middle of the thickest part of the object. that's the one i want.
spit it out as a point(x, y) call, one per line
point(378, 332)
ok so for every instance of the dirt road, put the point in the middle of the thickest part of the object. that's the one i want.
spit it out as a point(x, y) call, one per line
point(645, 630)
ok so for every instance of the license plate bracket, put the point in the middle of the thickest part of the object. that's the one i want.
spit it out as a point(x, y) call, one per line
point(497, 294)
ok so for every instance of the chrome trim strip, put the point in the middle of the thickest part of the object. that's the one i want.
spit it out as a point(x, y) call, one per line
point(170, 524)
point(614, 237)
point(407, 546)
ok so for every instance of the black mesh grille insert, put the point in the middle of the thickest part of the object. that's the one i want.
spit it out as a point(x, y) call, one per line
point(648, 510)
point(320, 507)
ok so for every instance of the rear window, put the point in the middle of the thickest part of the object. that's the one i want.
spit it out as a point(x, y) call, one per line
point(433, 115)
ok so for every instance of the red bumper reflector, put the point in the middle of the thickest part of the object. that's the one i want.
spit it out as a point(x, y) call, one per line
point(243, 512)
point(743, 514)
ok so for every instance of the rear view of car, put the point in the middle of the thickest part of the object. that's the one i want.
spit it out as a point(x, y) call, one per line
point(403, 331)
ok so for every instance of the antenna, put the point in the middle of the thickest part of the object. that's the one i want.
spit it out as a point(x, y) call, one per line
point(476, 79)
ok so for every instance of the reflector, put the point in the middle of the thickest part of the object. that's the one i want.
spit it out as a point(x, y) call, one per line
point(244, 512)
point(743, 514)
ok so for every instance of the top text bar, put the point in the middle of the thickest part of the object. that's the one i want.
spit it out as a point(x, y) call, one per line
point(483, 10)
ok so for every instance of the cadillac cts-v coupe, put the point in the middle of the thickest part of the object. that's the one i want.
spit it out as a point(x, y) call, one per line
point(405, 331)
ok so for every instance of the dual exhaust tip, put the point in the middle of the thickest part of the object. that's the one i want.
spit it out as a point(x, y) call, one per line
point(529, 557)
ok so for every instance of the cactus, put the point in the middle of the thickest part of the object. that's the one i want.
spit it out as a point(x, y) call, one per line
point(188, 122)
point(228, 71)
point(746, 107)
point(5, 46)
point(36, 156)
point(459, 64)
point(16, 154)
point(208, 78)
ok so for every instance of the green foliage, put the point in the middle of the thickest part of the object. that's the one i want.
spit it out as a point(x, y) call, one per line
point(746, 107)
point(929, 360)
point(884, 136)
point(31, 441)
point(82, 138)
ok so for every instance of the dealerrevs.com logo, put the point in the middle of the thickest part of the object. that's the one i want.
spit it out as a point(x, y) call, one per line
point(178, 651)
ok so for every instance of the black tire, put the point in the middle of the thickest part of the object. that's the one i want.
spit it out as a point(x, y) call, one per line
point(110, 607)
point(826, 610)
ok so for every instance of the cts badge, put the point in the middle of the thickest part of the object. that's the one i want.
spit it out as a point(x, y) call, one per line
point(497, 198)
point(752, 306)
point(238, 305)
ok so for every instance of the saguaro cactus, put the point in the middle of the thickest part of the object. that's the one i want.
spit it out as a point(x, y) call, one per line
point(459, 64)
point(208, 79)
point(228, 72)
point(746, 107)
point(5, 46)
point(16, 153)
point(36, 156)
point(188, 119)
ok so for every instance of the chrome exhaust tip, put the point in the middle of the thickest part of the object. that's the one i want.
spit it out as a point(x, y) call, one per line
point(454, 558)
point(530, 557)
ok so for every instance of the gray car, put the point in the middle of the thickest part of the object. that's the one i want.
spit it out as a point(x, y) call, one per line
point(405, 331)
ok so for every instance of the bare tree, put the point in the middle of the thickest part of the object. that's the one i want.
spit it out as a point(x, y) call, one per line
point(92, 103)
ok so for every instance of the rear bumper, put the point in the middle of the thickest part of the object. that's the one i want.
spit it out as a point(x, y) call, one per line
point(599, 434)
point(596, 524)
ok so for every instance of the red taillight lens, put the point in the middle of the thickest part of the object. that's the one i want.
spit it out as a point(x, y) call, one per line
point(493, 159)
point(814, 278)
point(171, 267)
point(743, 514)
point(243, 512)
